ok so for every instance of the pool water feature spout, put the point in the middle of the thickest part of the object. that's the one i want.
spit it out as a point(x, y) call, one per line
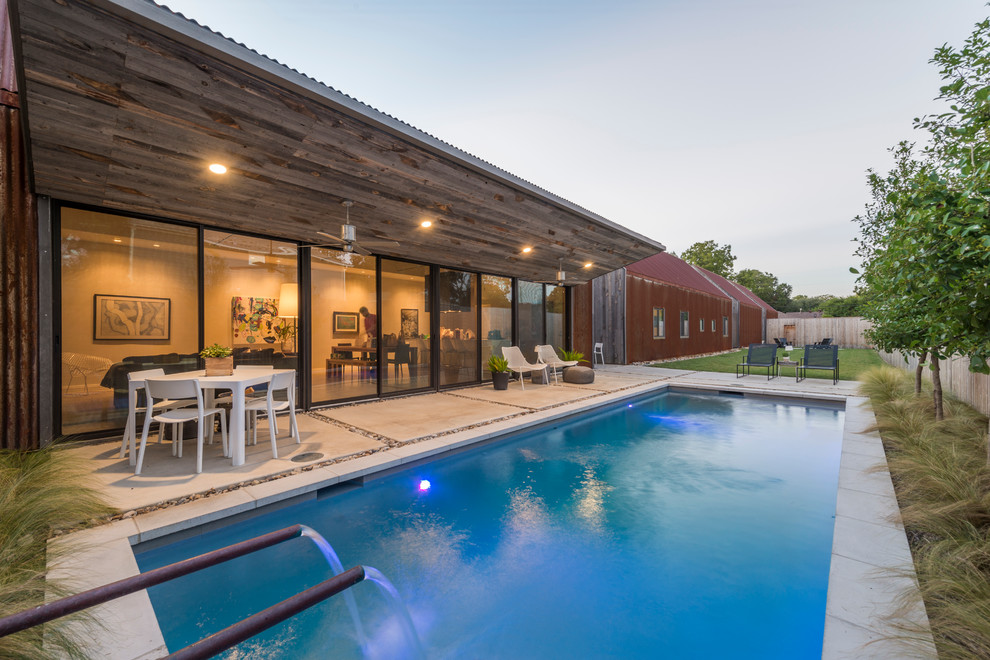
point(387, 588)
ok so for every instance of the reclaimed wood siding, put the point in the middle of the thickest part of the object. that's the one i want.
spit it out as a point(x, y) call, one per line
point(643, 295)
point(972, 388)
point(608, 315)
point(847, 332)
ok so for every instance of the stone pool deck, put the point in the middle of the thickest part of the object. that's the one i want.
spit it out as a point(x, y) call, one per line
point(871, 563)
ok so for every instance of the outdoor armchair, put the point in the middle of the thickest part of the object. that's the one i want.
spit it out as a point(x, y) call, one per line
point(518, 363)
point(759, 355)
point(818, 356)
point(548, 356)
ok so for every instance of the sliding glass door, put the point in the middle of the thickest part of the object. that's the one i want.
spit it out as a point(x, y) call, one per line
point(405, 326)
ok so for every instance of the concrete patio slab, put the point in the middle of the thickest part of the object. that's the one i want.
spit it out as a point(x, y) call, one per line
point(534, 397)
point(407, 418)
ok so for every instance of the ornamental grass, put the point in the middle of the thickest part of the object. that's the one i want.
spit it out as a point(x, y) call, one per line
point(42, 494)
point(942, 480)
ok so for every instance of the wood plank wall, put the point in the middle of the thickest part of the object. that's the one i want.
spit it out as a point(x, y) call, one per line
point(847, 332)
point(19, 419)
point(965, 385)
point(608, 315)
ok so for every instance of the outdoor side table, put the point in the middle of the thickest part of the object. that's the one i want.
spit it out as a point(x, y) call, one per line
point(787, 363)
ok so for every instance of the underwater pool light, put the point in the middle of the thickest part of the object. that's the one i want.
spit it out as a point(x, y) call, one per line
point(424, 485)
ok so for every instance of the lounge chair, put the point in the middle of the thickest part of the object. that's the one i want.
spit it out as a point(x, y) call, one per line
point(818, 356)
point(825, 342)
point(760, 355)
point(548, 356)
point(781, 342)
point(518, 363)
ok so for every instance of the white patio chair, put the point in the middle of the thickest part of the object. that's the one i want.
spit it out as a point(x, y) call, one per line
point(548, 356)
point(165, 389)
point(279, 382)
point(135, 383)
point(598, 354)
point(519, 364)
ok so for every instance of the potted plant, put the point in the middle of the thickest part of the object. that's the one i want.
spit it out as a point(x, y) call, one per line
point(219, 360)
point(499, 367)
point(571, 356)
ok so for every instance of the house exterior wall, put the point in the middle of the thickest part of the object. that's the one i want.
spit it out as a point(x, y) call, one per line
point(750, 325)
point(581, 315)
point(643, 295)
point(608, 314)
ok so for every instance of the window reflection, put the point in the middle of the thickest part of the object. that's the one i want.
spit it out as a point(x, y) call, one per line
point(129, 303)
point(405, 326)
point(530, 318)
point(496, 317)
point(458, 296)
point(345, 325)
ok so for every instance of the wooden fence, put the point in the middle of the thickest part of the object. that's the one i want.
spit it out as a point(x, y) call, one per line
point(847, 332)
point(965, 385)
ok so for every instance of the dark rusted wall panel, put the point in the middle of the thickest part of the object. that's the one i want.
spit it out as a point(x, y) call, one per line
point(750, 325)
point(19, 294)
point(581, 298)
point(642, 295)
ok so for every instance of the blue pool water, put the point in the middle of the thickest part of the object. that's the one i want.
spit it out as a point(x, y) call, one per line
point(679, 526)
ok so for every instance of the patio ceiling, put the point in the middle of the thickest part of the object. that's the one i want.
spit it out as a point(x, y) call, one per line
point(127, 104)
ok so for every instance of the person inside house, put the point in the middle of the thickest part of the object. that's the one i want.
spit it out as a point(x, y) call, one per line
point(370, 326)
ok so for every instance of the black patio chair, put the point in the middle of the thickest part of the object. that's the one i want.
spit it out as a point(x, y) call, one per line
point(760, 355)
point(781, 342)
point(817, 356)
point(824, 342)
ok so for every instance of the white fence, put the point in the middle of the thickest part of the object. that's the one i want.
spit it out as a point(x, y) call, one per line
point(847, 331)
point(956, 377)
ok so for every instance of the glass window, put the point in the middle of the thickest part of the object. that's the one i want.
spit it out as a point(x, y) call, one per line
point(405, 326)
point(658, 329)
point(496, 317)
point(725, 326)
point(701, 325)
point(684, 324)
point(251, 298)
point(345, 320)
point(556, 304)
point(129, 302)
point(458, 298)
point(530, 309)
point(713, 325)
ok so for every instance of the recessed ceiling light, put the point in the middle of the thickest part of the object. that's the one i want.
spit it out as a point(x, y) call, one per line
point(157, 245)
point(588, 265)
point(116, 240)
point(426, 223)
point(217, 168)
point(527, 250)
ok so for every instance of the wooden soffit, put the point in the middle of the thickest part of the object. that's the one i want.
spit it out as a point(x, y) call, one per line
point(128, 103)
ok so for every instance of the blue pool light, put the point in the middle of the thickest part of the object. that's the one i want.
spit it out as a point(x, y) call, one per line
point(630, 405)
point(424, 485)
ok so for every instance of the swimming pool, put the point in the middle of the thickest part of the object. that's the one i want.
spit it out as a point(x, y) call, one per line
point(682, 525)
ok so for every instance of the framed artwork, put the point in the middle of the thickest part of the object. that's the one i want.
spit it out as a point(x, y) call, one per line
point(131, 318)
point(255, 321)
point(408, 323)
point(345, 322)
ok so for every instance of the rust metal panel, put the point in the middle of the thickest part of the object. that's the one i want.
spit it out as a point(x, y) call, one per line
point(581, 309)
point(8, 74)
point(19, 419)
point(642, 295)
point(750, 325)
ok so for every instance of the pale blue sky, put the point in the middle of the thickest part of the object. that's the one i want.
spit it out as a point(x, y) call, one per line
point(748, 123)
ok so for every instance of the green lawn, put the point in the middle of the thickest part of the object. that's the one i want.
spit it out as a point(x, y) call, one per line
point(852, 362)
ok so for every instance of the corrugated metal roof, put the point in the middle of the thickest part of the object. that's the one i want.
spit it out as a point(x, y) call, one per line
point(737, 291)
point(665, 267)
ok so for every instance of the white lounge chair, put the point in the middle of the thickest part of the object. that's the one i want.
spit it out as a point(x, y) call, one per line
point(519, 364)
point(548, 356)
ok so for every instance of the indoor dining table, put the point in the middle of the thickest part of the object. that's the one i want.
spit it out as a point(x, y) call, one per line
point(237, 383)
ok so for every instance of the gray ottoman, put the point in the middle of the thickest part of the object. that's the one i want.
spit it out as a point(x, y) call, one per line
point(579, 375)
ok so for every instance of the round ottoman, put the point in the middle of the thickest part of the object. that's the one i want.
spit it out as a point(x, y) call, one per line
point(579, 375)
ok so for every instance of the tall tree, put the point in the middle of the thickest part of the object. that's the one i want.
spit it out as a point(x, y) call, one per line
point(765, 285)
point(711, 256)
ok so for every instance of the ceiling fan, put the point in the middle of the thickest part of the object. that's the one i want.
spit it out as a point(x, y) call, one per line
point(561, 276)
point(347, 241)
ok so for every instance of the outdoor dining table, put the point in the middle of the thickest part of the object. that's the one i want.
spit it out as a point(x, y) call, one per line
point(237, 383)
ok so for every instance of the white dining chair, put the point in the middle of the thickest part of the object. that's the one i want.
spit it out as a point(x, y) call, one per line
point(599, 354)
point(135, 383)
point(280, 382)
point(174, 389)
